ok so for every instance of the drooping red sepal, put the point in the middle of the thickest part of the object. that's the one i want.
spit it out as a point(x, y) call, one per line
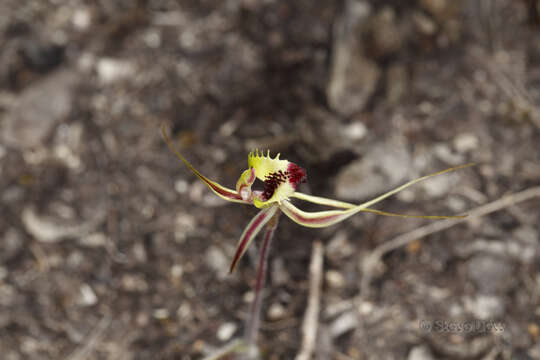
point(251, 231)
point(221, 191)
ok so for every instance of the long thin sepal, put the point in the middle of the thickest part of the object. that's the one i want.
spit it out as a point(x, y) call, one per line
point(221, 191)
point(344, 205)
point(251, 230)
point(252, 325)
point(327, 218)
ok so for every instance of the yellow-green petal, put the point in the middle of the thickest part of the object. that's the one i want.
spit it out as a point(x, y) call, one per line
point(264, 165)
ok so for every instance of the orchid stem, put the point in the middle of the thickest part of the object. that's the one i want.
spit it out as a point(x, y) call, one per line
point(253, 321)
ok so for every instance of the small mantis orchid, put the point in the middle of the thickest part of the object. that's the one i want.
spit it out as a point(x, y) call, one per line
point(281, 179)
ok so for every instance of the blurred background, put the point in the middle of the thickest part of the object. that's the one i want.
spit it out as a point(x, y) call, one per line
point(111, 249)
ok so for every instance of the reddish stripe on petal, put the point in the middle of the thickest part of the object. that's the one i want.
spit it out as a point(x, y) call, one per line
point(222, 191)
point(251, 179)
point(321, 219)
point(245, 240)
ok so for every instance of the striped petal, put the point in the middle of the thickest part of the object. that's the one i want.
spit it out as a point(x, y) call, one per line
point(243, 185)
point(221, 191)
point(344, 205)
point(251, 231)
point(330, 217)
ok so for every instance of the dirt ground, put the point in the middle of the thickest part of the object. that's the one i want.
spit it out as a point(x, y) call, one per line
point(111, 249)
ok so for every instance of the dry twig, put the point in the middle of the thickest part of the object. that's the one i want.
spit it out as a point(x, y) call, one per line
point(311, 317)
point(373, 260)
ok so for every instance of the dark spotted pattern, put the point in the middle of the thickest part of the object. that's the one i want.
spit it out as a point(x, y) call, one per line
point(294, 174)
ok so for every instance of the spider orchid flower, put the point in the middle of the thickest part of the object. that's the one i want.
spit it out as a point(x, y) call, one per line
point(281, 179)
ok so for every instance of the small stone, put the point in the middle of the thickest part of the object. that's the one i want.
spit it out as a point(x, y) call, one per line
point(334, 279)
point(455, 310)
point(142, 319)
point(444, 152)
point(344, 323)
point(248, 297)
point(184, 226)
point(198, 346)
point(456, 204)
point(111, 70)
point(424, 24)
point(217, 261)
point(134, 283)
point(357, 12)
point(420, 352)
point(489, 273)
point(437, 186)
point(384, 166)
point(485, 307)
point(197, 190)
point(184, 311)
point(139, 252)
point(152, 39)
point(81, 19)
point(365, 307)
point(51, 229)
point(181, 186)
point(161, 314)
point(67, 156)
point(43, 228)
point(534, 352)
point(97, 239)
point(466, 142)
point(40, 107)
point(279, 274)
point(333, 309)
point(355, 131)
point(276, 311)
point(526, 245)
point(226, 331)
point(339, 246)
point(87, 296)
point(426, 108)
point(176, 271)
point(353, 77)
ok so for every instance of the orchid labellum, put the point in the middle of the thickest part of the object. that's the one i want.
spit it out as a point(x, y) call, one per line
point(281, 179)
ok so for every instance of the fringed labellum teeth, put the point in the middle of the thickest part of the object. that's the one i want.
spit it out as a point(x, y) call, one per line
point(280, 177)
